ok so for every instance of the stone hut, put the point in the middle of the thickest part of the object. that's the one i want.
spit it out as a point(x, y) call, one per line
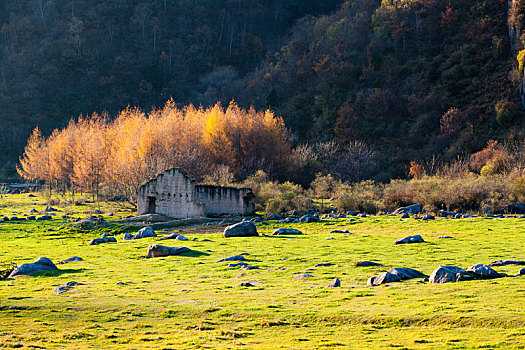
point(174, 194)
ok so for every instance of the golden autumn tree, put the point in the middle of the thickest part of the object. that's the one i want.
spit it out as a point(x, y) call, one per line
point(92, 153)
point(89, 156)
point(34, 164)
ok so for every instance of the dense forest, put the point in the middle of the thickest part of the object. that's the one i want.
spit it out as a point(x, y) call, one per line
point(404, 80)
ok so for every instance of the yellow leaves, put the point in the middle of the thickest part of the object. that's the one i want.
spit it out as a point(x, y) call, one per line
point(521, 60)
point(134, 147)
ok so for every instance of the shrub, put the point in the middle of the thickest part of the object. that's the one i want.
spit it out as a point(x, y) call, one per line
point(364, 196)
point(398, 193)
point(505, 112)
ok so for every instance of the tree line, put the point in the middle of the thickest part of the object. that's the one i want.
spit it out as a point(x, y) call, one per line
point(215, 145)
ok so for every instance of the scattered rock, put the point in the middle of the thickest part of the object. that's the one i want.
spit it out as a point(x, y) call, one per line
point(521, 272)
point(427, 217)
point(483, 271)
point(405, 216)
point(157, 250)
point(308, 218)
point(288, 220)
point(444, 213)
point(44, 217)
point(303, 275)
point(145, 232)
point(367, 264)
point(233, 258)
point(170, 236)
point(72, 259)
point(396, 274)
point(49, 209)
point(41, 264)
point(256, 219)
point(241, 264)
point(33, 210)
point(245, 284)
point(410, 239)
point(507, 262)
point(335, 283)
point(443, 237)
point(242, 229)
point(340, 231)
point(240, 275)
point(363, 215)
point(286, 231)
point(274, 217)
point(62, 289)
point(103, 240)
point(181, 238)
point(514, 208)
point(128, 236)
point(446, 274)
point(324, 264)
point(250, 267)
point(411, 209)
point(31, 217)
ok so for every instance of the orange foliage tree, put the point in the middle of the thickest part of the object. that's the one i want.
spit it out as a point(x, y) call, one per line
point(92, 153)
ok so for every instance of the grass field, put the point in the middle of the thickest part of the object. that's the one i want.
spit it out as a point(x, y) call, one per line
point(193, 302)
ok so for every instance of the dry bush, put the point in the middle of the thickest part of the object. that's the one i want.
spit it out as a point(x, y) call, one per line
point(398, 193)
point(365, 196)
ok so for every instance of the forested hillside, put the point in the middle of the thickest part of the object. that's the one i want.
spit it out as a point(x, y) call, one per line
point(410, 79)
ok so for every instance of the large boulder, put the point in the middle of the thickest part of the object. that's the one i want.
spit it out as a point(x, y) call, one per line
point(41, 264)
point(514, 208)
point(395, 274)
point(411, 209)
point(286, 231)
point(242, 229)
point(157, 250)
point(446, 274)
point(483, 271)
point(144, 232)
point(410, 239)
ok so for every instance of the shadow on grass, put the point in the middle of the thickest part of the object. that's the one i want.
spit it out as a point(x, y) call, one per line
point(194, 254)
point(56, 273)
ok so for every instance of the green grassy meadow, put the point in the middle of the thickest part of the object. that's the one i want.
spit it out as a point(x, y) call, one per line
point(193, 302)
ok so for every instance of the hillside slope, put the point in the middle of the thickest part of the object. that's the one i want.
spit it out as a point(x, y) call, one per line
point(412, 79)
